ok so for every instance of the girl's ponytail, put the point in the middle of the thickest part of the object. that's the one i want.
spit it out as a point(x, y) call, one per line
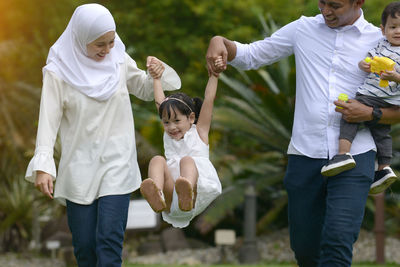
point(198, 102)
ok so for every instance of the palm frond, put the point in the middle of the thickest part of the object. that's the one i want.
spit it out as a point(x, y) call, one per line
point(257, 117)
point(240, 89)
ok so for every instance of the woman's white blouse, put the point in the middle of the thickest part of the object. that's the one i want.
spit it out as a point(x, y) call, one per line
point(98, 148)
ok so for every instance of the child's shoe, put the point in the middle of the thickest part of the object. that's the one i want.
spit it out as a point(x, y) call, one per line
point(383, 179)
point(153, 195)
point(339, 163)
point(184, 191)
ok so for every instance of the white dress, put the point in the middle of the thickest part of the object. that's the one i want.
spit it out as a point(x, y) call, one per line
point(208, 184)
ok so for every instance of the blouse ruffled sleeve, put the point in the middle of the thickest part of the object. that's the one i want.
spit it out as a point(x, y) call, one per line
point(50, 114)
point(140, 84)
point(42, 161)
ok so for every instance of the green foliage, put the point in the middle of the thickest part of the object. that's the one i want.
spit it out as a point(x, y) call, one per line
point(178, 32)
point(255, 117)
point(27, 29)
point(18, 104)
point(373, 10)
point(259, 265)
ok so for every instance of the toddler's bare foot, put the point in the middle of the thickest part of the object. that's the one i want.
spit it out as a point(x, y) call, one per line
point(153, 195)
point(184, 191)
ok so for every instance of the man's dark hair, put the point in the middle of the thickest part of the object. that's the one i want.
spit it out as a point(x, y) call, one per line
point(393, 9)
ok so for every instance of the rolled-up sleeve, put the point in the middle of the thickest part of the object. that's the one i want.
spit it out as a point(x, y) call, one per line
point(51, 110)
point(266, 51)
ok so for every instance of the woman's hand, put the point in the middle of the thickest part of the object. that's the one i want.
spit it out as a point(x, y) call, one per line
point(354, 111)
point(155, 67)
point(44, 183)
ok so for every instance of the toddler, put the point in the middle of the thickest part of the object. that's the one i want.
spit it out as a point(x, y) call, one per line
point(371, 94)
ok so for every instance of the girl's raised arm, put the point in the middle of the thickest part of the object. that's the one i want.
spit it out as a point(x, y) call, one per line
point(156, 70)
point(205, 116)
point(159, 95)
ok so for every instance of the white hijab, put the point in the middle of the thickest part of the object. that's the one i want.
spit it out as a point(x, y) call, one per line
point(68, 56)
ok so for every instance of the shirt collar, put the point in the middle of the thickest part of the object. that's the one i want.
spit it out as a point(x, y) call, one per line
point(359, 24)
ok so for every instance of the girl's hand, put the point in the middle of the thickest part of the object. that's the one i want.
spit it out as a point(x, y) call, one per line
point(365, 66)
point(155, 67)
point(216, 49)
point(44, 183)
point(391, 75)
point(219, 64)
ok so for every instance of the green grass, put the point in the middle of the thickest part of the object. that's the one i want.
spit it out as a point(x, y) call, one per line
point(259, 265)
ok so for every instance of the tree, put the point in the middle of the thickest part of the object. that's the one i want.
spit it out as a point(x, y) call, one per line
point(27, 29)
point(177, 32)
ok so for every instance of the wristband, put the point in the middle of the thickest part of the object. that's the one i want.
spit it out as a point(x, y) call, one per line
point(376, 115)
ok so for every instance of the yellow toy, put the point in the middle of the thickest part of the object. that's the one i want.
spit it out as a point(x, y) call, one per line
point(343, 97)
point(379, 65)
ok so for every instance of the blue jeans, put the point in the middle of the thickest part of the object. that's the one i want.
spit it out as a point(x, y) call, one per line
point(325, 214)
point(98, 230)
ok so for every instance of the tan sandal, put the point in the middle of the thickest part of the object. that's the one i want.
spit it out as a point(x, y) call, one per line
point(184, 191)
point(153, 195)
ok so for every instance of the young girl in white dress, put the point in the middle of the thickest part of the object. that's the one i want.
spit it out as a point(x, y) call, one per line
point(185, 182)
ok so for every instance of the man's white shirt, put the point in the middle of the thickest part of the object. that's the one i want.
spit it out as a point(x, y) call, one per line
point(326, 65)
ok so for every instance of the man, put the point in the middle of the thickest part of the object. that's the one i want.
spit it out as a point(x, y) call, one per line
point(325, 215)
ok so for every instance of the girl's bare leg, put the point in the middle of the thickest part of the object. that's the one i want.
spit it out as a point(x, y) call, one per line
point(158, 171)
point(153, 195)
point(186, 184)
point(155, 188)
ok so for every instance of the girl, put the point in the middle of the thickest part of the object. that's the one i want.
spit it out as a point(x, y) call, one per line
point(85, 99)
point(185, 183)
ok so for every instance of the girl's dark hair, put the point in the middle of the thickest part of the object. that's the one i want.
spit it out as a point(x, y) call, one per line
point(170, 105)
point(392, 9)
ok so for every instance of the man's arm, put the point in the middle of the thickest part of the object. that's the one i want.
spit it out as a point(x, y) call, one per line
point(219, 46)
point(390, 115)
point(354, 111)
point(255, 54)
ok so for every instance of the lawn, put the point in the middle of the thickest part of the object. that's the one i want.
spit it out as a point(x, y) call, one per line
point(259, 265)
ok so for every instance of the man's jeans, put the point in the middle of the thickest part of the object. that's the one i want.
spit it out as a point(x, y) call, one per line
point(98, 230)
point(325, 214)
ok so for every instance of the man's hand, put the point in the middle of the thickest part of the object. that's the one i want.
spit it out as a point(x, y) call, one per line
point(44, 183)
point(354, 111)
point(216, 49)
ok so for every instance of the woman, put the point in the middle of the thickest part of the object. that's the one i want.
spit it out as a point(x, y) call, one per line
point(85, 99)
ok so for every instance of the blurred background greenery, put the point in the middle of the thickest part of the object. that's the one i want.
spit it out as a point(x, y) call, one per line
point(252, 119)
